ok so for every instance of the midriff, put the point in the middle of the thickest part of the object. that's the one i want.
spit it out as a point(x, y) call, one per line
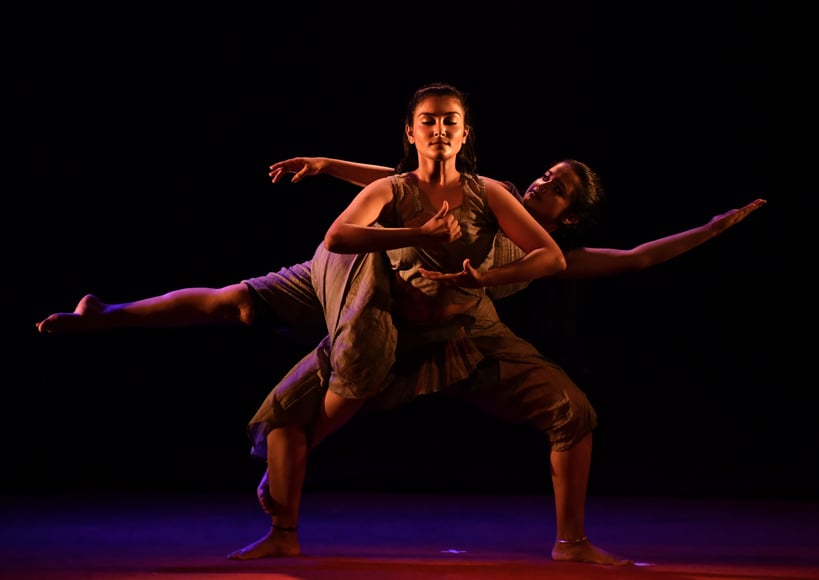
point(413, 305)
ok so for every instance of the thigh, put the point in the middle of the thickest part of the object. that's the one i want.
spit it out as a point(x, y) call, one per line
point(289, 297)
point(516, 383)
point(354, 290)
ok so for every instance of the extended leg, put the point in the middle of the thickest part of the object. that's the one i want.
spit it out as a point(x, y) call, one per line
point(184, 307)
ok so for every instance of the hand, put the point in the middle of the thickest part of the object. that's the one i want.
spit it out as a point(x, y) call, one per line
point(722, 222)
point(300, 167)
point(469, 277)
point(441, 228)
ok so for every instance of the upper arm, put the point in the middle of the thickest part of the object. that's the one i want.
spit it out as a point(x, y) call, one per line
point(517, 223)
point(366, 206)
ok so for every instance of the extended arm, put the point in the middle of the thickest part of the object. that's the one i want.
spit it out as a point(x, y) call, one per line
point(356, 173)
point(598, 262)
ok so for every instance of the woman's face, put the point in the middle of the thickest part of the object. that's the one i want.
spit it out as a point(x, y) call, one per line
point(549, 196)
point(438, 130)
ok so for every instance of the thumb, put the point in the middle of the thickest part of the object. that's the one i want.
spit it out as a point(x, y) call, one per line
point(299, 175)
point(443, 211)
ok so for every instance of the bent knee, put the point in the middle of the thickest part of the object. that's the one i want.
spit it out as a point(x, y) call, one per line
point(576, 420)
point(235, 305)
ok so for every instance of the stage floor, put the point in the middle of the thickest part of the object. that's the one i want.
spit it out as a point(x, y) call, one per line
point(393, 536)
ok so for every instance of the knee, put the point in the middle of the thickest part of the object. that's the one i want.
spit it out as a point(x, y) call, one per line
point(578, 420)
point(236, 304)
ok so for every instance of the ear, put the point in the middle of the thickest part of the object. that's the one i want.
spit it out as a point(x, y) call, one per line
point(569, 219)
point(408, 130)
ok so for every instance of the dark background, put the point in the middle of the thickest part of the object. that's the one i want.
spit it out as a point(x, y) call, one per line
point(138, 141)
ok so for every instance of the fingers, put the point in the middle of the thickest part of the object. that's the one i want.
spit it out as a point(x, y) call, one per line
point(299, 169)
point(756, 204)
point(299, 175)
point(443, 211)
point(753, 206)
point(278, 170)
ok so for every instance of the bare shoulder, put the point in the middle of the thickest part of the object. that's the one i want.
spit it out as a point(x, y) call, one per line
point(380, 183)
point(499, 187)
point(492, 183)
point(380, 188)
point(499, 194)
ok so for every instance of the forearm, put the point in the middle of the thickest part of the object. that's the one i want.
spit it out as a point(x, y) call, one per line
point(664, 249)
point(355, 239)
point(538, 263)
point(597, 262)
point(669, 247)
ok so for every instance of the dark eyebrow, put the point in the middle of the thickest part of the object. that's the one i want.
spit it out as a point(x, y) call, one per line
point(439, 114)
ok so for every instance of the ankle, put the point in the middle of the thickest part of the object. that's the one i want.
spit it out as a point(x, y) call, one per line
point(573, 542)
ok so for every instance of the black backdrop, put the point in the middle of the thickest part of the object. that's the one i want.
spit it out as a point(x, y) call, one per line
point(137, 156)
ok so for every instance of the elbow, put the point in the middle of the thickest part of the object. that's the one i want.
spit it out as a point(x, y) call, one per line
point(333, 242)
point(544, 262)
point(558, 264)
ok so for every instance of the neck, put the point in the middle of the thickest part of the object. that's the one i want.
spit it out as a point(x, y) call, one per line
point(441, 173)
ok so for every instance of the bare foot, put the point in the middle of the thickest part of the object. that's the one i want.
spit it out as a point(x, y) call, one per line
point(588, 553)
point(263, 495)
point(84, 317)
point(276, 544)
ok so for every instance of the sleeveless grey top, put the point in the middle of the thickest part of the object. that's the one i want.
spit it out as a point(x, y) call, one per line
point(411, 207)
